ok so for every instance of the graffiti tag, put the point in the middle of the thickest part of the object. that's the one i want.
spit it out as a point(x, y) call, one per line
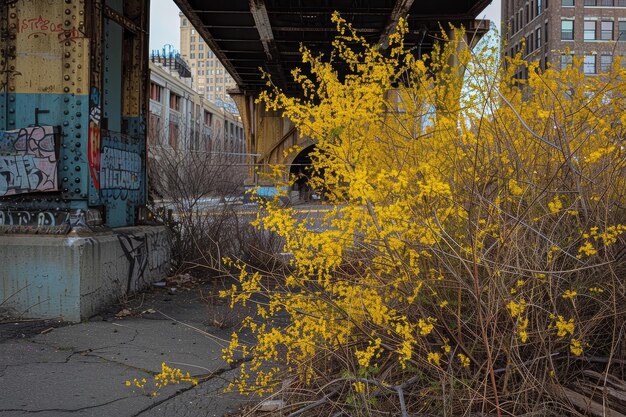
point(120, 169)
point(24, 221)
point(40, 26)
point(28, 161)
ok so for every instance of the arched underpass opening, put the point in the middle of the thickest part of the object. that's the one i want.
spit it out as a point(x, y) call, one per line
point(302, 168)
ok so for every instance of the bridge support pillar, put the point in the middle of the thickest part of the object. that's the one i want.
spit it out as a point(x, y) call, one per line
point(269, 137)
point(73, 105)
point(73, 277)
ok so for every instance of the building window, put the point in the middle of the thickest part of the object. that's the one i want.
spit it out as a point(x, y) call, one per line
point(155, 92)
point(538, 37)
point(538, 7)
point(606, 3)
point(201, 47)
point(154, 128)
point(622, 31)
point(200, 55)
point(567, 30)
point(184, 22)
point(567, 3)
point(590, 2)
point(193, 39)
point(605, 63)
point(173, 135)
point(607, 30)
point(566, 61)
point(589, 64)
point(174, 101)
point(590, 30)
point(192, 56)
point(192, 47)
point(208, 118)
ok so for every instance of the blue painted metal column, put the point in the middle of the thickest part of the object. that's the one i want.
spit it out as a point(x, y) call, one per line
point(73, 96)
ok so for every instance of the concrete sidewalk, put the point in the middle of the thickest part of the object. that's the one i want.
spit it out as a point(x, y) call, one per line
point(49, 369)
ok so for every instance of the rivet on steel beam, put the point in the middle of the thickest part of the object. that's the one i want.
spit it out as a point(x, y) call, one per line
point(67, 54)
point(65, 168)
point(66, 78)
point(77, 144)
point(66, 99)
point(68, 11)
point(66, 89)
point(65, 179)
point(77, 180)
point(77, 168)
point(66, 123)
point(78, 135)
point(77, 190)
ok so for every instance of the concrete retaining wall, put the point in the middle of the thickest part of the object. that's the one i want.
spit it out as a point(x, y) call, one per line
point(43, 276)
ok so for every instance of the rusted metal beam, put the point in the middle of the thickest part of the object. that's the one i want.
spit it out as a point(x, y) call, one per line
point(319, 29)
point(121, 20)
point(400, 9)
point(264, 27)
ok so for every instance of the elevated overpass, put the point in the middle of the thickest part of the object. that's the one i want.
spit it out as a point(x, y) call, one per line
point(74, 91)
point(250, 34)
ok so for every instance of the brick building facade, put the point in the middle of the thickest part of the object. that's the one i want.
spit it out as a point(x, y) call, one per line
point(556, 31)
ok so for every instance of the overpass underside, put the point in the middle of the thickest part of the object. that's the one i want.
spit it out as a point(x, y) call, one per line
point(247, 35)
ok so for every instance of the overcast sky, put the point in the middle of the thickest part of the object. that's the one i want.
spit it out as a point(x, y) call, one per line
point(164, 22)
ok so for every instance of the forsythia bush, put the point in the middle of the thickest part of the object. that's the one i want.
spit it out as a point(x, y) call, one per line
point(473, 260)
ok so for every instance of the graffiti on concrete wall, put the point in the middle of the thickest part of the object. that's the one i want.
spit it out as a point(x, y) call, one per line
point(95, 112)
point(28, 161)
point(145, 253)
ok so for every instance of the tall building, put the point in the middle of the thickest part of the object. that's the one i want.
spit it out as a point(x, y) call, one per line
point(209, 75)
point(556, 31)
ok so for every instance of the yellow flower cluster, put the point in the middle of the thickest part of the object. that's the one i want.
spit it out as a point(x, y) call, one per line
point(167, 376)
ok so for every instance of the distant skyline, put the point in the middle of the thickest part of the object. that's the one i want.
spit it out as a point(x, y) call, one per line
point(164, 22)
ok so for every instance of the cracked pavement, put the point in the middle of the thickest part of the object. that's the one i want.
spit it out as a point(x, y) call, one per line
point(81, 369)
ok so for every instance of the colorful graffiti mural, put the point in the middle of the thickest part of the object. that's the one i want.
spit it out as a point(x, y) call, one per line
point(28, 161)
